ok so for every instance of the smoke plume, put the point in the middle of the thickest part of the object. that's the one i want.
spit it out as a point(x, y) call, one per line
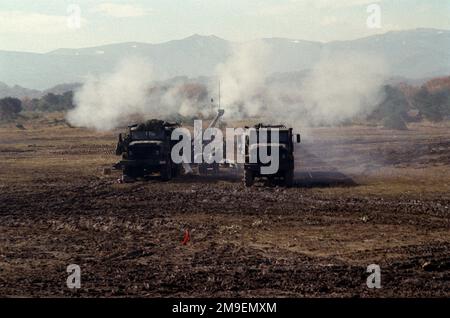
point(342, 87)
point(131, 92)
point(242, 79)
point(103, 101)
point(337, 89)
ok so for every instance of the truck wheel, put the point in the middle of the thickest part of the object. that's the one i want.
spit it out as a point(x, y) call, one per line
point(130, 173)
point(203, 169)
point(166, 172)
point(215, 168)
point(289, 178)
point(176, 171)
point(248, 178)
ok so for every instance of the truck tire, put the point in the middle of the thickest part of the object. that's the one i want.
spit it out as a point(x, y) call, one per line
point(248, 178)
point(176, 171)
point(166, 172)
point(289, 178)
point(202, 169)
point(131, 172)
point(215, 168)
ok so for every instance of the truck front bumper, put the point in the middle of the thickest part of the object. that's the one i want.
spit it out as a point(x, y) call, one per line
point(139, 163)
point(256, 169)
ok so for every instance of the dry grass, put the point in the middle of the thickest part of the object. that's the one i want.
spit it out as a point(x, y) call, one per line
point(59, 208)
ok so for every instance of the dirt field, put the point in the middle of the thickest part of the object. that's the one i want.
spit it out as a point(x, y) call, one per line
point(362, 196)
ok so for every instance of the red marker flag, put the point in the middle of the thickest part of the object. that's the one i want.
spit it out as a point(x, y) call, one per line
point(186, 238)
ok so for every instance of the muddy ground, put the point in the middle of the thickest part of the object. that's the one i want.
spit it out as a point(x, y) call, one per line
point(362, 196)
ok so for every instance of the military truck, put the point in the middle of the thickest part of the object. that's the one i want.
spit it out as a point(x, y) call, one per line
point(285, 145)
point(146, 149)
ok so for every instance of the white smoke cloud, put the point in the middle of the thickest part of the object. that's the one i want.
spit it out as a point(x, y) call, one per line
point(337, 89)
point(103, 101)
point(186, 100)
point(130, 92)
point(342, 87)
point(242, 78)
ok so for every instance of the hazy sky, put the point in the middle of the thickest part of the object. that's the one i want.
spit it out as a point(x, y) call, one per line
point(44, 25)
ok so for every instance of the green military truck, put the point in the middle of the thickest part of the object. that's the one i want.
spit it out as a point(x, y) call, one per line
point(285, 145)
point(146, 149)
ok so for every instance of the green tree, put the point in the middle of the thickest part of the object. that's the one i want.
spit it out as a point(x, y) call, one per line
point(54, 102)
point(434, 106)
point(10, 107)
point(392, 111)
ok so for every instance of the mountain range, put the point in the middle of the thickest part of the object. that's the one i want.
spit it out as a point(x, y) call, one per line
point(413, 54)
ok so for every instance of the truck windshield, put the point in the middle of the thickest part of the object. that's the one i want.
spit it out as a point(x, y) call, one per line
point(147, 135)
point(282, 135)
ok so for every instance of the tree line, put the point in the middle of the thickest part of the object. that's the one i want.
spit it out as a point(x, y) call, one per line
point(401, 106)
point(394, 110)
point(11, 107)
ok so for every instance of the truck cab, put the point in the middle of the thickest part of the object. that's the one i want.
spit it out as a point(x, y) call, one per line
point(258, 145)
point(146, 149)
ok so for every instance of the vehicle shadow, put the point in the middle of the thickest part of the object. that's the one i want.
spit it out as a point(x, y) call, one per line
point(195, 178)
point(302, 179)
point(322, 179)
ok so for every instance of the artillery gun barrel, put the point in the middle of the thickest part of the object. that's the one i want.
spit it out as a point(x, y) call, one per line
point(220, 113)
